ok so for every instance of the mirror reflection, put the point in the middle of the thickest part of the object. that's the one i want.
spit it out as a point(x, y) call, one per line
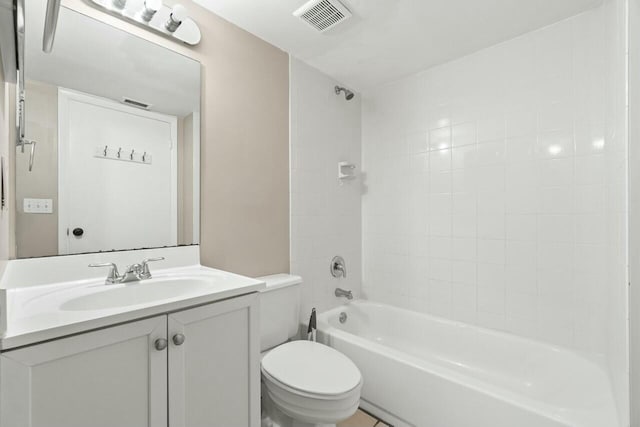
point(116, 125)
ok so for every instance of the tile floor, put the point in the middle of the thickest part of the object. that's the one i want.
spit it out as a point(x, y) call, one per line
point(360, 419)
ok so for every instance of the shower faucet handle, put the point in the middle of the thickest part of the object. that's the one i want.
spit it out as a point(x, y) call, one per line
point(338, 267)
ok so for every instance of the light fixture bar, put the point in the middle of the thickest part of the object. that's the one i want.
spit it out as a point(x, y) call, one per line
point(173, 23)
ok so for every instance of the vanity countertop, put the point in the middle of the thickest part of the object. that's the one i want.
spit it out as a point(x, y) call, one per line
point(45, 312)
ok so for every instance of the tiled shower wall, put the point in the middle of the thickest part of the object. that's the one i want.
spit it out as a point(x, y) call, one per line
point(492, 184)
point(325, 214)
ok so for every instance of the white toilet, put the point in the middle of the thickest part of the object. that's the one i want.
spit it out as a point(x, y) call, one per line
point(304, 383)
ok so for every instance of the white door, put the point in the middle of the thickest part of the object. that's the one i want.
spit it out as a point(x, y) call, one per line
point(107, 378)
point(214, 375)
point(111, 203)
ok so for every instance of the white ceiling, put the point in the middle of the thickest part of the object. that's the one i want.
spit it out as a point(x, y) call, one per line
point(96, 58)
point(389, 39)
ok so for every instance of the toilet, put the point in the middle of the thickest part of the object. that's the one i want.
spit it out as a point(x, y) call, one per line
point(304, 383)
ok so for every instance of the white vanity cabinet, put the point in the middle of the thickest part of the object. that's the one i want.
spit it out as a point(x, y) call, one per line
point(106, 378)
point(193, 368)
point(214, 375)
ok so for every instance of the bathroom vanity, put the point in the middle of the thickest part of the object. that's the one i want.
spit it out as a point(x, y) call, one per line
point(107, 170)
point(180, 349)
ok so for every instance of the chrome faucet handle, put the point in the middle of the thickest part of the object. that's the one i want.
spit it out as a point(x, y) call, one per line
point(146, 274)
point(338, 267)
point(113, 276)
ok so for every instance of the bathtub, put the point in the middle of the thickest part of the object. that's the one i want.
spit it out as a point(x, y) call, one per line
point(425, 371)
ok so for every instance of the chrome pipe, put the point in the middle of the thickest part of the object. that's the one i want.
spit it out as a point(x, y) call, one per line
point(50, 24)
point(20, 114)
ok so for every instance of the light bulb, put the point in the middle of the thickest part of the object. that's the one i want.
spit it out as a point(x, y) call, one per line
point(154, 5)
point(179, 13)
point(150, 8)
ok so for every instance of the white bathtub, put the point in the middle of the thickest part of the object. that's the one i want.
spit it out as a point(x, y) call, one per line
point(425, 371)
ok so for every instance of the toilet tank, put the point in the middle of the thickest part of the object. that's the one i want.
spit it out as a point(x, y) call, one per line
point(279, 309)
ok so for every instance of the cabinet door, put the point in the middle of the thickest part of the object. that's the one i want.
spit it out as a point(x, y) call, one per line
point(106, 378)
point(214, 375)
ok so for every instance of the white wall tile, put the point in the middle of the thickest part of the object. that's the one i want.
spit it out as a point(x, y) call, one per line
point(440, 138)
point(491, 251)
point(520, 198)
point(326, 217)
point(491, 128)
point(463, 134)
point(440, 161)
point(464, 249)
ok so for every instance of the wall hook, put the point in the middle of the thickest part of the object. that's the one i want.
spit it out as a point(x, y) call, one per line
point(106, 153)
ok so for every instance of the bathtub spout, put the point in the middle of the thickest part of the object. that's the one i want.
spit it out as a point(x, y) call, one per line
point(343, 293)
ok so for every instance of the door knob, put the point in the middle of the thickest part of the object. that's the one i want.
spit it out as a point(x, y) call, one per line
point(178, 339)
point(160, 344)
point(78, 232)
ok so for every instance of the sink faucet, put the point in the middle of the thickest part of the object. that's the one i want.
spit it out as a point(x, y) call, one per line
point(133, 273)
point(344, 293)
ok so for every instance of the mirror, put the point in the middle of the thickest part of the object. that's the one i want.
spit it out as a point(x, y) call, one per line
point(116, 125)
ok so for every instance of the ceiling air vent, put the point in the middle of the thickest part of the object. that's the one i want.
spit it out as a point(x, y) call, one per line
point(137, 104)
point(323, 14)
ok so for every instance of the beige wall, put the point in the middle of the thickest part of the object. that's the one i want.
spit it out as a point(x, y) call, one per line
point(4, 153)
point(7, 138)
point(37, 234)
point(245, 143)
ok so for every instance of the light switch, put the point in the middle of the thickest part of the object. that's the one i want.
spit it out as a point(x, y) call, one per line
point(38, 206)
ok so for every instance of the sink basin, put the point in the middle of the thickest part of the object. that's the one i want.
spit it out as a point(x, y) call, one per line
point(134, 293)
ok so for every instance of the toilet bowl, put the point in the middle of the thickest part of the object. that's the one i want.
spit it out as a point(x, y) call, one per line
point(304, 383)
point(309, 384)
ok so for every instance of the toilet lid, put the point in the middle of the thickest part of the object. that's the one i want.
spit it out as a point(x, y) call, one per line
point(312, 367)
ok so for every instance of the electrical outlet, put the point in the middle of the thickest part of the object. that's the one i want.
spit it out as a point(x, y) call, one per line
point(38, 206)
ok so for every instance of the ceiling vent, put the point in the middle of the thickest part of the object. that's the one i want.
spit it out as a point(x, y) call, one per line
point(323, 14)
point(137, 104)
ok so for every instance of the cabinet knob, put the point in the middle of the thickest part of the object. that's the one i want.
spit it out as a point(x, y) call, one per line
point(178, 339)
point(160, 344)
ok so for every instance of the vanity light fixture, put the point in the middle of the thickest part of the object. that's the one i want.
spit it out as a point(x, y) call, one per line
point(172, 22)
point(149, 9)
point(177, 15)
point(50, 23)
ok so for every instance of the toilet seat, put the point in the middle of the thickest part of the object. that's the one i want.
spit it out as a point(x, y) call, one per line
point(274, 383)
point(311, 369)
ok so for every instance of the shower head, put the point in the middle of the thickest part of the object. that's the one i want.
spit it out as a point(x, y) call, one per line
point(348, 95)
